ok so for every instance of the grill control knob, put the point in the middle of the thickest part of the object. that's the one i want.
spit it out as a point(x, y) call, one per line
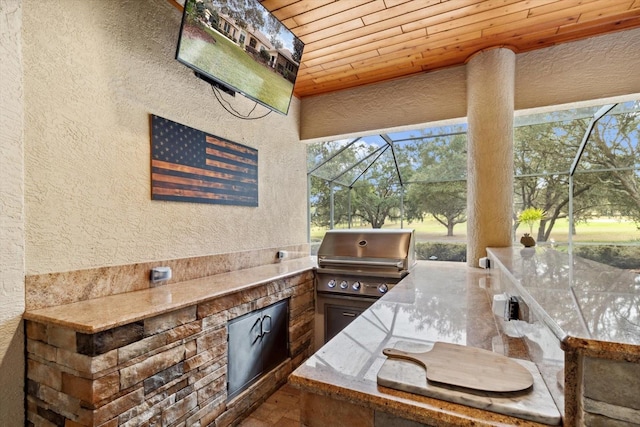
point(383, 288)
point(356, 286)
point(332, 283)
point(344, 284)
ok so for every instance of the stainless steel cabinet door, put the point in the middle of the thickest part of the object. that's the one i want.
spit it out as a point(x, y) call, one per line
point(338, 317)
point(275, 341)
point(245, 359)
point(257, 343)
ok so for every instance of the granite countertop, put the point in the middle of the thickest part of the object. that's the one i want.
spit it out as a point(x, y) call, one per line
point(104, 313)
point(438, 301)
point(585, 303)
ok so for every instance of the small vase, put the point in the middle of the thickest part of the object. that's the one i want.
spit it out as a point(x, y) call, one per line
point(527, 241)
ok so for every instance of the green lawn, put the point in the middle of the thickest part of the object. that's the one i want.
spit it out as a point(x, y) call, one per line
point(232, 64)
point(596, 230)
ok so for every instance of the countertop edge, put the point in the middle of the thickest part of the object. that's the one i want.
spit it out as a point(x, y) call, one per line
point(597, 348)
point(62, 315)
point(422, 409)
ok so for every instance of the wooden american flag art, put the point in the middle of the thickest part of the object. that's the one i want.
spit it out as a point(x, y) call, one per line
point(188, 165)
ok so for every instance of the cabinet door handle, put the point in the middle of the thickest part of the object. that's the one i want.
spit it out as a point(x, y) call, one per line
point(265, 331)
point(258, 336)
point(347, 314)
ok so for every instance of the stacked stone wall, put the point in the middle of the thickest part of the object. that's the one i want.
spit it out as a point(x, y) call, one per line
point(603, 404)
point(168, 370)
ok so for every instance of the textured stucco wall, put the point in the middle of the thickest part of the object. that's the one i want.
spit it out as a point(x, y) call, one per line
point(11, 216)
point(599, 67)
point(93, 72)
point(400, 103)
point(591, 69)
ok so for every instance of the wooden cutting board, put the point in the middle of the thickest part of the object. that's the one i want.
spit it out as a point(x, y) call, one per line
point(468, 367)
point(534, 404)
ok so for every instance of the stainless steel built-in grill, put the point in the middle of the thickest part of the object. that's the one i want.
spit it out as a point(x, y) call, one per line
point(355, 268)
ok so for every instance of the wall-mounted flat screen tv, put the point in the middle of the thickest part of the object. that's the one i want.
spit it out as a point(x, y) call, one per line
point(240, 46)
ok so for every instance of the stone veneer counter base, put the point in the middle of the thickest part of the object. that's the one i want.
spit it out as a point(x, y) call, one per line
point(159, 356)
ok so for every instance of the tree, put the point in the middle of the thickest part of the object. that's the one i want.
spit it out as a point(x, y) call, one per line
point(375, 203)
point(613, 147)
point(247, 13)
point(376, 195)
point(214, 19)
point(298, 47)
point(446, 202)
point(545, 151)
point(264, 56)
point(200, 10)
point(542, 156)
point(439, 187)
point(243, 12)
point(368, 171)
point(323, 182)
point(433, 171)
point(272, 26)
point(320, 200)
point(276, 42)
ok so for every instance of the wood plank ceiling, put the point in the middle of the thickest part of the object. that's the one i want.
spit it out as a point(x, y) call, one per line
point(349, 43)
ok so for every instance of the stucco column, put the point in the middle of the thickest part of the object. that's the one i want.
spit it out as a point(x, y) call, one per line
point(490, 88)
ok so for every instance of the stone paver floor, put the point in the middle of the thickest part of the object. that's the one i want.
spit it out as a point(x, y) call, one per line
point(281, 409)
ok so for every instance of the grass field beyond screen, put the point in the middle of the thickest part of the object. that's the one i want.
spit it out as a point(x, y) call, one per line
point(229, 63)
point(610, 230)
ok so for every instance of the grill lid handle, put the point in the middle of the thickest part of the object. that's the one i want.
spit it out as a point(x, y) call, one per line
point(351, 263)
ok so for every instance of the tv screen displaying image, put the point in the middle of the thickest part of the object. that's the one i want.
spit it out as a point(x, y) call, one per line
point(240, 45)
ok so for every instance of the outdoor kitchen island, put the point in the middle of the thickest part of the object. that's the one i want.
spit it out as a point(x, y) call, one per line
point(589, 309)
point(437, 301)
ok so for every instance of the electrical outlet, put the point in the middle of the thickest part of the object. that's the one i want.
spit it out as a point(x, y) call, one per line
point(160, 274)
point(512, 311)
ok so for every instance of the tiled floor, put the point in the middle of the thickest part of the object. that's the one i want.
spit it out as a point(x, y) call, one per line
point(281, 409)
